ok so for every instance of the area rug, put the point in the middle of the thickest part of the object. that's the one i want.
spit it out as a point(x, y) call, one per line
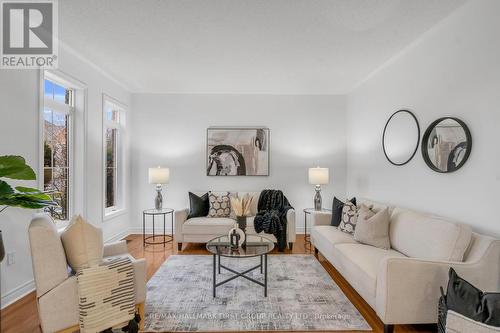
point(301, 297)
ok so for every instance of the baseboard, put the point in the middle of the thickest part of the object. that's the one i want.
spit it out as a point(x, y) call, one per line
point(17, 293)
point(299, 231)
point(138, 231)
point(119, 236)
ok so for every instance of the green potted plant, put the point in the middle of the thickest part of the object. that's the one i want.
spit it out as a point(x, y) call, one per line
point(15, 167)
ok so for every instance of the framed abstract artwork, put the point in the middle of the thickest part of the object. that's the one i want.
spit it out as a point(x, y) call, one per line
point(238, 151)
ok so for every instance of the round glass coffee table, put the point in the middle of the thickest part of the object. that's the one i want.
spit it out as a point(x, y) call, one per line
point(255, 246)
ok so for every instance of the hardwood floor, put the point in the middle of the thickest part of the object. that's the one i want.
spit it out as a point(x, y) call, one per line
point(22, 317)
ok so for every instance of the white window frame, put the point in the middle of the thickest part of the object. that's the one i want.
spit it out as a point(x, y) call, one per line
point(76, 138)
point(120, 195)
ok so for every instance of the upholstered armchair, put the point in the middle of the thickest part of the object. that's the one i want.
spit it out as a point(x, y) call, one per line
point(56, 286)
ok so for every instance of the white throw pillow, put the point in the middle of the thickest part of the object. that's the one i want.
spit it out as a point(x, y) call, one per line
point(82, 243)
point(373, 229)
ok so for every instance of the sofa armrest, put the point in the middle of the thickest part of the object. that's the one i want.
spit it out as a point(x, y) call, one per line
point(456, 323)
point(115, 248)
point(180, 218)
point(291, 226)
point(140, 279)
point(58, 308)
point(320, 218)
point(407, 289)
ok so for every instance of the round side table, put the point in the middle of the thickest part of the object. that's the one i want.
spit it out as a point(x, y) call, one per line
point(309, 211)
point(154, 213)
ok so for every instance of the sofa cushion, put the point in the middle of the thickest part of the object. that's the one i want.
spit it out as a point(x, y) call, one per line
point(375, 205)
point(349, 218)
point(220, 204)
point(425, 236)
point(360, 265)
point(208, 225)
point(325, 237)
point(334, 235)
point(82, 243)
point(337, 207)
point(373, 229)
point(198, 205)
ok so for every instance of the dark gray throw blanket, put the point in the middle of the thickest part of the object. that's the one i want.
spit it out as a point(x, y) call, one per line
point(271, 218)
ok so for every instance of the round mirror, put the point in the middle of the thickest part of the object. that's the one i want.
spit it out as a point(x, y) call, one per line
point(446, 144)
point(401, 137)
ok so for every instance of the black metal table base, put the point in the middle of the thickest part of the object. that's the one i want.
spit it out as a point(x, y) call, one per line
point(166, 239)
point(217, 266)
point(307, 242)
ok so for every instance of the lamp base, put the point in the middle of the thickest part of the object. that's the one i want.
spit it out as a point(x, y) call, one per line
point(159, 198)
point(317, 198)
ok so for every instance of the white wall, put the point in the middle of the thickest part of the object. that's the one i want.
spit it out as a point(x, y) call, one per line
point(19, 135)
point(453, 70)
point(170, 130)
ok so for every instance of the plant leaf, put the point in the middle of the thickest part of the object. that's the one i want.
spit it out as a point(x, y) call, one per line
point(5, 189)
point(27, 189)
point(27, 200)
point(15, 167)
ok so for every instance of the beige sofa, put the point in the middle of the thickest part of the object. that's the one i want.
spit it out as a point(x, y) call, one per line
point(56, 288)
point(456, 323)
point(203, 229)
point(402, 284)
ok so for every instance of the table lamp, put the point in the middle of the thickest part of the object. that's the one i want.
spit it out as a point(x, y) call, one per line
point(318, 176)
point(159, 176)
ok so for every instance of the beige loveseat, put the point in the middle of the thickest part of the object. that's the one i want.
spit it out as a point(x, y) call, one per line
point(56, 286)
point(402, 284)
point(203, 229)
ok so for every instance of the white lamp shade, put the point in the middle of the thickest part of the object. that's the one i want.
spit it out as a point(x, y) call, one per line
point(318, 176)
point(159, 175)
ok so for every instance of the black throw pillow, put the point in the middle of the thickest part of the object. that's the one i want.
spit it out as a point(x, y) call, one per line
point(462, 297)
point(491, 302)
point(337, 210)
point(198, 206)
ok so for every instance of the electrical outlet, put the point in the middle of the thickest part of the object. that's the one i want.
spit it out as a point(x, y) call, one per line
point(11, 258)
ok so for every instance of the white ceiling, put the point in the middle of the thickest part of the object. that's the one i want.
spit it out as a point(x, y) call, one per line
point(245, 46)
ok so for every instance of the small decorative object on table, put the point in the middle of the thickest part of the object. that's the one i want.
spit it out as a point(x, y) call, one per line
point(234, 238)
point(159, 176)
point(318, 176)
point(241, 206)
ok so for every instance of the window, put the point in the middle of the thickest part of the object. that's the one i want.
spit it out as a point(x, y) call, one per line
point(58, 113)
point(113, 155)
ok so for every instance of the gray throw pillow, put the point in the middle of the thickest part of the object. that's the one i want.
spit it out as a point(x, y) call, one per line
point(373, 228)
point(219, 204)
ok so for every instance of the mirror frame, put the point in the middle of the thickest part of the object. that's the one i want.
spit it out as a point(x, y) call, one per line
point(418, 138)
point(425, 138)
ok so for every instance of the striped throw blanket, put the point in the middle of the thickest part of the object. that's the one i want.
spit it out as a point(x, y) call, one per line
point(106, 294)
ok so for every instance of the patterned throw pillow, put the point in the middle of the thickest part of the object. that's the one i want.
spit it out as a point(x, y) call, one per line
point(220, 204)
point(349, 218)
